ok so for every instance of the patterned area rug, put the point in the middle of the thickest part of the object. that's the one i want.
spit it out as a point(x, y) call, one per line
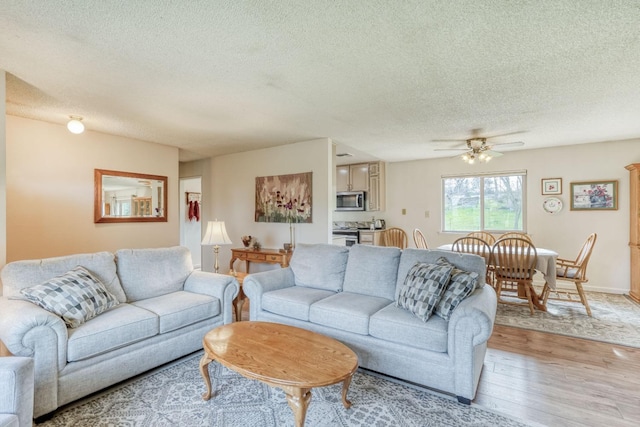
point(615, 319)
point(171, 396)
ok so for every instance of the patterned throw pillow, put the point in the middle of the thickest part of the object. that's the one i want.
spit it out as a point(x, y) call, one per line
point(460, 286)
point(423, 288)
point(76, 296)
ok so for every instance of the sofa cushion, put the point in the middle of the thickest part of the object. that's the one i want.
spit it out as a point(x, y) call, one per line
point(76, 296)
point(372, 270)
point(460, 286)
point(319, 266)
point(148, 273)
point(181, 308)
point(423, 288)
point(346, 311)
point(397, 325)
point(466, 262)
point(122, 325)
point(23, 274)
point(293, 301)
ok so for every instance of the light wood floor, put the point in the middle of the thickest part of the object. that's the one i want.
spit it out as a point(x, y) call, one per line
point(560, 381)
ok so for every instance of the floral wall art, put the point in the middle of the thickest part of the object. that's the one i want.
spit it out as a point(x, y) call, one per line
point(284, 198)
point(594, 195)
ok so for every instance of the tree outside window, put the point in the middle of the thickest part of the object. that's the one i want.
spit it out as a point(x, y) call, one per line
point(492, 203)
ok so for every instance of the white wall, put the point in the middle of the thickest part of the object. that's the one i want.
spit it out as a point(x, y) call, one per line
point(50, 190)
point(416, 186)
point(233, 182)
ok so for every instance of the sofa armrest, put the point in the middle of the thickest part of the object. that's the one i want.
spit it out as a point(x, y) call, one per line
point(221, 286)
point(30, 331)
point(16, 393)
point(255, 285)
point(470, 327)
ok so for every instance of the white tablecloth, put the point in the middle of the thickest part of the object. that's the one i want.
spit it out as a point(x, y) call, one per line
point(546, 263)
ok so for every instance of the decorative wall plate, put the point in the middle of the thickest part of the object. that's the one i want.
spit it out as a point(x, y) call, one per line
point(552, 205)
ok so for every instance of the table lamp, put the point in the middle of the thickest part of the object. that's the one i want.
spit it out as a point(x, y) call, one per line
point(216, 235)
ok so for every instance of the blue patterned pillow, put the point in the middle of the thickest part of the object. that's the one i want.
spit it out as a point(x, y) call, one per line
point(76, 296)
point(423, 288)
point(460, 286)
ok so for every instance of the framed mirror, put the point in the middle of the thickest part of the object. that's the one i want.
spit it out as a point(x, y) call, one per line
point(129, 197)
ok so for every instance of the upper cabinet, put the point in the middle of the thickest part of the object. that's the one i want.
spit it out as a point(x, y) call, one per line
point(367, 177)
point(352, 177)
point(376, 198)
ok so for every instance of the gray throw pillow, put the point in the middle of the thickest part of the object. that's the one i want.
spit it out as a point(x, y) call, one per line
point(76, 296)
point(423, 288)
point(460, 286)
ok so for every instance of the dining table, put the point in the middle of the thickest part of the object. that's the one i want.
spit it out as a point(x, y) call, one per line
point(545, 264)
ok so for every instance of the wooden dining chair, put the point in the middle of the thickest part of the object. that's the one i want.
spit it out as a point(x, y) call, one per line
point(419, 239)
point(514, 261)
point(574, 271)
point(484, 235)
point(395, 236)
point(516, 234)
point(477, 246)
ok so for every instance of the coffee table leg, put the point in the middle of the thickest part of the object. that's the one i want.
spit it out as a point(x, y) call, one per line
point(298, 399)
point(345, 388)
point(204, 370)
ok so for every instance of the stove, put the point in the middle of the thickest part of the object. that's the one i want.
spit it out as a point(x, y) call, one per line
point(350, 229)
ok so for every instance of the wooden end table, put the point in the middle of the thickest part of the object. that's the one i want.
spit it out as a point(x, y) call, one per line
point(269, 256)
point(293, 359)
point(238, 302)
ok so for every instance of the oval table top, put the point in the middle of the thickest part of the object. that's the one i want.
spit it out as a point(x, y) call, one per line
point(281, 355)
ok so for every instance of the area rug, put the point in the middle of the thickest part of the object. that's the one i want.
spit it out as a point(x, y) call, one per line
point(171, 396)
point(615, 319)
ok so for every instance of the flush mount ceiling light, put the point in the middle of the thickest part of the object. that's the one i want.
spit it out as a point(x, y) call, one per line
point(75, 125)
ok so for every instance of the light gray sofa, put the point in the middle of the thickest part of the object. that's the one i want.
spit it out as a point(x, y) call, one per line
point(16, 391)
point(350, 294)
point(165, 310)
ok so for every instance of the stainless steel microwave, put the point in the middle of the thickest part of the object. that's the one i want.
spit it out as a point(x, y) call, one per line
point(350, 201)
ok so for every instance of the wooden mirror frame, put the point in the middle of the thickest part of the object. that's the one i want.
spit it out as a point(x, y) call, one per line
point(98, 217)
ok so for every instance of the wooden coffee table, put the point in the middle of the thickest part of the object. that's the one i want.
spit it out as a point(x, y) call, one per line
point(293, 359)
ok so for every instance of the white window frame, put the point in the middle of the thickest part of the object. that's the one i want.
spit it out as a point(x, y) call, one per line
point(483, 175)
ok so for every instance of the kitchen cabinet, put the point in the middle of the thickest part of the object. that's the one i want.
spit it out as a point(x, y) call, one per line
point(352, 177)
point(371, 238)
point(634, 231)
point(376, 197)
point(369, 177)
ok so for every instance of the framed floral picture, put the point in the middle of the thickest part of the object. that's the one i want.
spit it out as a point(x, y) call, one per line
point(594, 195)
point(284, 198)
point(552, 186)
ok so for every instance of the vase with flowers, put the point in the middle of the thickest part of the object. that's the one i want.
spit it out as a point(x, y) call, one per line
point(291, 210)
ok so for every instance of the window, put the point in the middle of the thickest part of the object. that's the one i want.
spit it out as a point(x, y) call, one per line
point(491, 202)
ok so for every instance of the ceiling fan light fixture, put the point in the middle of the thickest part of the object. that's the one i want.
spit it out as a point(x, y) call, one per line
point(75, 125)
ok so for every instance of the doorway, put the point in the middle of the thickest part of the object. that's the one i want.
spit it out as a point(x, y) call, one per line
point(190, 223)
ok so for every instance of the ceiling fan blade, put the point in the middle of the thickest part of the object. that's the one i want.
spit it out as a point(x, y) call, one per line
point(514, 144)
point(450, 149)
point(448, 140)
point(505, 134)
point(493, 154)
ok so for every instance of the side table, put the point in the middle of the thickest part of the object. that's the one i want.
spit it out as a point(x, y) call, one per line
point(269, 256)
point(238, 302)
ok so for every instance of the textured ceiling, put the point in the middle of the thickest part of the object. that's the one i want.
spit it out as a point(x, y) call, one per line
point(382, 77)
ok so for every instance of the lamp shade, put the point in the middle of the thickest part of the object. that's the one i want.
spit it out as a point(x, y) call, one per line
point(216, 234)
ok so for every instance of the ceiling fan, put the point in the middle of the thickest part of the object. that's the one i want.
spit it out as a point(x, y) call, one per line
point(477, 147)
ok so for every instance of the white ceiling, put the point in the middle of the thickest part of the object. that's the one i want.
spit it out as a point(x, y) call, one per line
point(383, 78)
